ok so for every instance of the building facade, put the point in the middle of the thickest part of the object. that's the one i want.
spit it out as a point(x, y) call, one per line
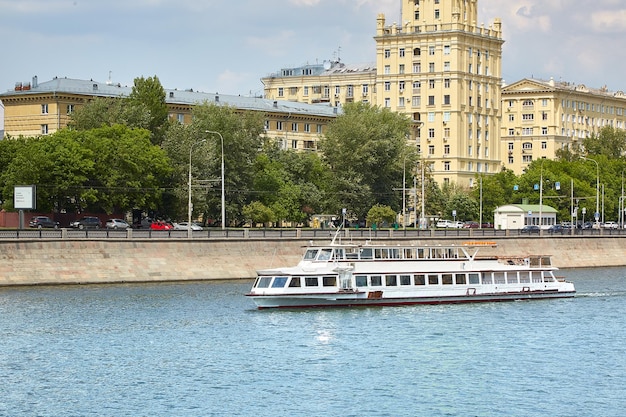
point(440, 68)
point(33, 109)
point(540, 117)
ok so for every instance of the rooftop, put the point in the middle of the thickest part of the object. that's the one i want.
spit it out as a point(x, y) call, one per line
point(185, 97)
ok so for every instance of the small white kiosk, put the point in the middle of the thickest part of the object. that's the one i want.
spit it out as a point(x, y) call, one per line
point(516, 216)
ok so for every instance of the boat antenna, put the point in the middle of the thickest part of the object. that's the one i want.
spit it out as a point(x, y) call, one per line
point(337, 233)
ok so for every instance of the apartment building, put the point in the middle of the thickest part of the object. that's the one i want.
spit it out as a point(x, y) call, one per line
point(540, 117)
point(439, 67)
point(33, 109)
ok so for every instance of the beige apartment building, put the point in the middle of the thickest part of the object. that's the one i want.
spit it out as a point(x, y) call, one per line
point(438, 66)
point(33, 109)
point(540, 117)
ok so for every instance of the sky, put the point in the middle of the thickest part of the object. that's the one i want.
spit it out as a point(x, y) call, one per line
point(226, 46)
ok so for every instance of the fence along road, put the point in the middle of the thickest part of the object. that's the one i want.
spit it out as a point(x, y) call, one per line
point(210, 233)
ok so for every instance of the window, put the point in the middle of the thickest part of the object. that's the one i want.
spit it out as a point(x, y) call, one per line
point(417, 86)
point(387, 53)
point(44, 129)
point(387, 69)
point(337, 90)
point(307, 128)
point(431, 149)
point(511, 132)
point(446, 83)
point(446, 99)
point(281, 91)
point(401, 85)
point(294, 127)
point(544, 130)
point(527, 145)
point(401, 69)
point(417, 52)
point(527, 131)
point(446, 66)
point(391, 280)
point(431, 83)
point(431, 100)
point(376, 281)
point(431, 50)
point(446, 166)
point(431, 117)
point(180, 117)
point(70, 108)
point(437, 14)
point(365, 89)
point(311, 281)
point(401, 52)
point(44, 109)
point(319, 129)
point(446, 49)
point(431, 134)
point(528, 117)
point(279, 282)
point(446, 116)
point(387, 102)
point(446, 150)
point(431, 67)
point(416, 101)
point(417, 67)
point(387, 85)
point(544, 145)
point(306, 91)
point(419, 279)
point(279, 125)
point(511, 146)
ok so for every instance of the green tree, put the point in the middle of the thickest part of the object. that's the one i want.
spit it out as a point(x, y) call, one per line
point(241, 133)
point(149, 93)
point(103, 111)
point(129, 171)
point(257, 212)
point(379, 213)
point(364, 149)
point(58, 165)
point(610, 142)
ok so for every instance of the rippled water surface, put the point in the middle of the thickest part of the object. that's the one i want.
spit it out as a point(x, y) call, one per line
point(201, 349)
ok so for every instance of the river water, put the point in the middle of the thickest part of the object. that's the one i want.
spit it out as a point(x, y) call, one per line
point(202, 349)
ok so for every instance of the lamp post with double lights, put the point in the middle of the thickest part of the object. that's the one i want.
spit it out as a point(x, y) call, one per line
point(222, 171)
point(189, 204)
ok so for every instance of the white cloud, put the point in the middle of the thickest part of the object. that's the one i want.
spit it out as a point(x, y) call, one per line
point(609, 21)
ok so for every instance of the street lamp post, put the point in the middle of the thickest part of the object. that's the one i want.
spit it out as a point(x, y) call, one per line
point(223, 198)
point(189, 204)
point(597, 213)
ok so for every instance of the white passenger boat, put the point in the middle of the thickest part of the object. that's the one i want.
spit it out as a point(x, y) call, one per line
point(379, 275)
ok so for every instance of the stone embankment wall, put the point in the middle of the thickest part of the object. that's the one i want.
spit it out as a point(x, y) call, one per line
point(110, 261)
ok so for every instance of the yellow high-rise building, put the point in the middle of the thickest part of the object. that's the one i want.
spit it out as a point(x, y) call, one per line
point(438, 66)
point(540, 117)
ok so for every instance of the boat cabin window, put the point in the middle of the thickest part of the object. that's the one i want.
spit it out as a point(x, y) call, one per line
point(381, 253)
point(311, 282)
point(295, 282)
point(279, 282)
point(421, 253)
point(338, 254)
point(391, 280)
point(498, 278)
point(366, 253)
point(395, 253)
point(511, 278)
point(460, 279)
point(361, 280)
point(487, 278)
point(405, 280)
point(352, 253)
point(310, 255)
point(329, 281)
point(524, 277)
point(325, 254)
point(548, 277)
point(433, 280)
point(446, 279)
point(264, 282)
point(409, 253)
point(376, 281)
point(474, 279)
point(536, 276)
point(419, 279)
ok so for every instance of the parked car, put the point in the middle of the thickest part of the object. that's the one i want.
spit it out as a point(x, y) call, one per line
point(43, 221)
point(441, 224)
point(610, 225)
point(87, 222)
point(529, 229)
point(471, 225)
point(160, 225)
point(184, 226)
point(557, 228)
point(117, 224)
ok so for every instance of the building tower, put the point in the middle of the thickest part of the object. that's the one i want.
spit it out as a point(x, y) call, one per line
point(444, 70)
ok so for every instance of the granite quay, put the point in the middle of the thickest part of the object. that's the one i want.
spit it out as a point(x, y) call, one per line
point(84, 261)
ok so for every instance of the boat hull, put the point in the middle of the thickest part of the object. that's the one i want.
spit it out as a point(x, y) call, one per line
point(362, 300)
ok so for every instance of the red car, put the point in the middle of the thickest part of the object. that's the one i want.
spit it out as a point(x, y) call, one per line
point(160, 225)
